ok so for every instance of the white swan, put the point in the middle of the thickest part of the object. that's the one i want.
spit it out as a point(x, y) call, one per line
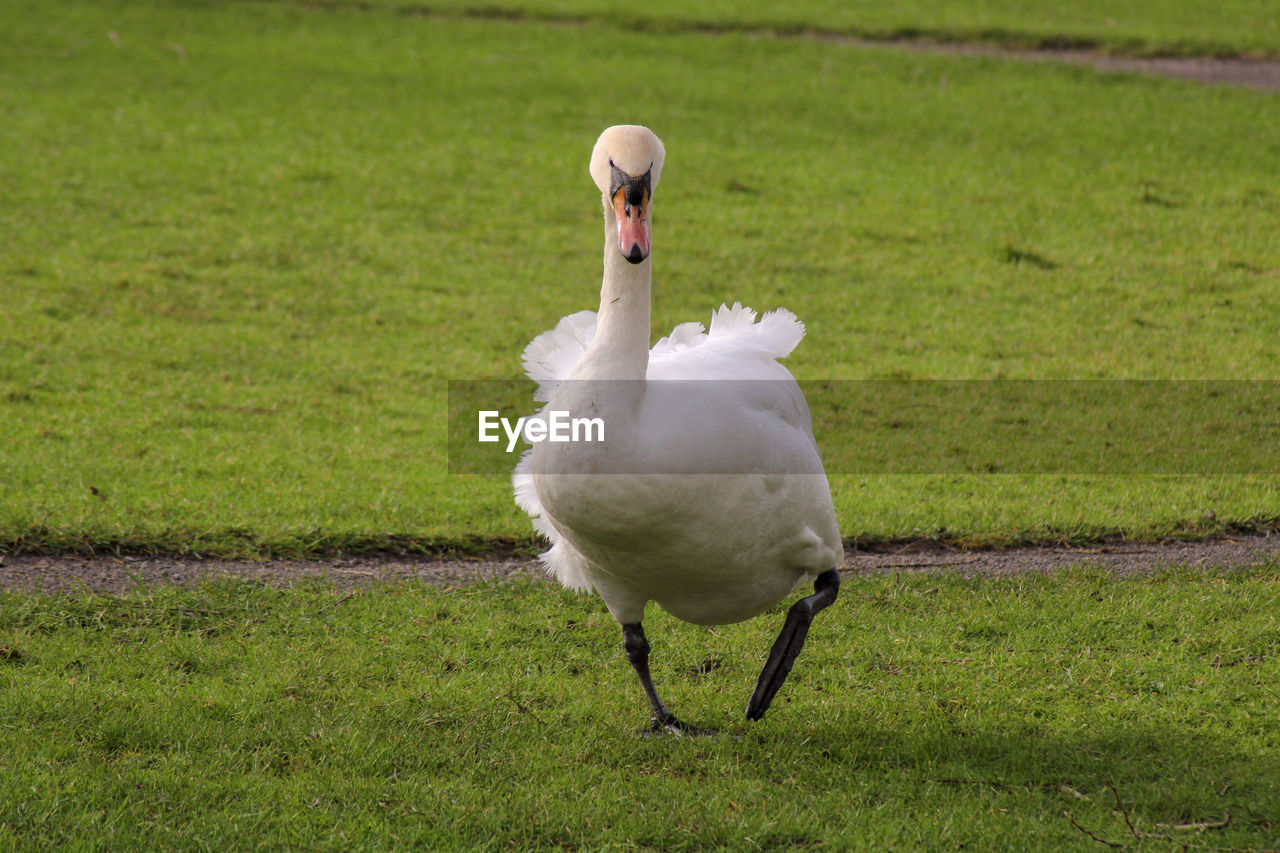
point(708, 494)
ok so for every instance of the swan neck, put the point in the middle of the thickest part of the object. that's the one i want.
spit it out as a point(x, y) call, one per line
point(621, 346)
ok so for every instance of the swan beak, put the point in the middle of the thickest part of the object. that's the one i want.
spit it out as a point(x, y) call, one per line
point(631, 204)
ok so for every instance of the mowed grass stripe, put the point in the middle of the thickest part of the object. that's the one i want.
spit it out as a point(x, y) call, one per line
point(248, 244)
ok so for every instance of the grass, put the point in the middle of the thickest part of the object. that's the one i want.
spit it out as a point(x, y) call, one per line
point(926, 712)
point(248, 244)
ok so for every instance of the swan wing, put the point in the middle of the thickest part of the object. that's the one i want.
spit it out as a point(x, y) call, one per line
point(740, 351)
point(735, 347)
point(775, 336)
point(562, 560)
point(734, 344)
point(548, 360)
point(553, 355)
point(681, 339)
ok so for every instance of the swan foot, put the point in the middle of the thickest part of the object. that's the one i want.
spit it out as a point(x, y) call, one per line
point(675, 727)
point(790, 641)
point(664, 722)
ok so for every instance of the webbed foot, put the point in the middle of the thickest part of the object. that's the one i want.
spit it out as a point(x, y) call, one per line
point(790, 641)
point(672, 725)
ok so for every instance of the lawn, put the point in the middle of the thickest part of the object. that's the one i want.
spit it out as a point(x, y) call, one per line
point(247, 245)
point(926, 712)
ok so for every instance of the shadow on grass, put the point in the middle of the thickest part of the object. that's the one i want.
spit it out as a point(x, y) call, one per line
point(1157, 779)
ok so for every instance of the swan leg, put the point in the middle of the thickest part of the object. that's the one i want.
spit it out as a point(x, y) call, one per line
point(785, 649)
point(637, 646)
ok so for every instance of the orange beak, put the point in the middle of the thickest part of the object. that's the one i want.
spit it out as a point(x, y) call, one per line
point(631, 204)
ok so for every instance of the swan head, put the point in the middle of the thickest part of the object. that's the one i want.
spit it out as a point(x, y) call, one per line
point(626, 164)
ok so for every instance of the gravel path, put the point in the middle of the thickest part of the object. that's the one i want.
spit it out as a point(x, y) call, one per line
point(118, 574)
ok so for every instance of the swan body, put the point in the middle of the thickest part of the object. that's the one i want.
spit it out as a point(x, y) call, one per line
point(626, 519)
point(707, 494)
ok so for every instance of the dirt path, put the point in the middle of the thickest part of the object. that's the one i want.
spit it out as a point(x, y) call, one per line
point(1249, 73)
point(1260, 74)
point(118, 574)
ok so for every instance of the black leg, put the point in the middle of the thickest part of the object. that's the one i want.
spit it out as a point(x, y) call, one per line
point(790, 641)
point(637, 647)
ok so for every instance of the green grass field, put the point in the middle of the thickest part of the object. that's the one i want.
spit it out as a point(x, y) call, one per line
point(927, 712)
point(246, 246)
